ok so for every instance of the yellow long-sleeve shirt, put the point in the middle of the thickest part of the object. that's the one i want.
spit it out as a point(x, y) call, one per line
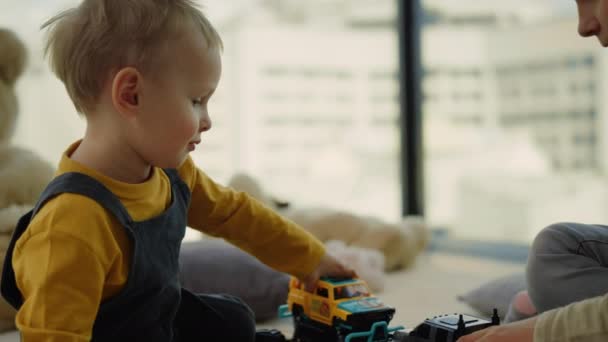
point(75, 254)
point(584, 321)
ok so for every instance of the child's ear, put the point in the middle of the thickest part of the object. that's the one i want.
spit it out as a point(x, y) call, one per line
point(125, 89)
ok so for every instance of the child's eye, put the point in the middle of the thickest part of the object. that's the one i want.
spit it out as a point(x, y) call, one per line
point(197, 102)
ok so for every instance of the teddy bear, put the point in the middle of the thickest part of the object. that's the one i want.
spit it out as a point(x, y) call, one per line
point(399, 243)
point(23, 174)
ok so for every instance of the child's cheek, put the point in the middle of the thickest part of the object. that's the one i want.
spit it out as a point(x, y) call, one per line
point(190, 126)
point(601, 10)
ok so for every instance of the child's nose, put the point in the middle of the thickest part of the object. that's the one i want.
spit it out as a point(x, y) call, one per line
point(205, 123)
point(588, 27)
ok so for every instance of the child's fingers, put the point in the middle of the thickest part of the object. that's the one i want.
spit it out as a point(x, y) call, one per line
point(348, 272)
point(310, 283)
point(343, 271)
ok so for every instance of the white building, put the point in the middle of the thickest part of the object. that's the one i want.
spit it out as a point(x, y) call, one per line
point(513, 114)
point(313, 114)
point(514, 126)
point(320, 106)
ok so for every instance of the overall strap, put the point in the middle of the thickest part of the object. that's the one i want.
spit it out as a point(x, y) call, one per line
point(66, 183)
point(177, 183)
point(173, 175)
point(78, 183)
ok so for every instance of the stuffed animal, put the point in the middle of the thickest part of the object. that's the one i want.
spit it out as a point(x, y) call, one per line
point(23, 174)
point(399, 242)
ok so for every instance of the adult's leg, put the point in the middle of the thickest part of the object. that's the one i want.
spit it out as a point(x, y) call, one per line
point(568, 262)
point(213, 318)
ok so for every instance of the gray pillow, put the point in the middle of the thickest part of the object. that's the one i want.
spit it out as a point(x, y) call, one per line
point(497, 294)
point(215, 266)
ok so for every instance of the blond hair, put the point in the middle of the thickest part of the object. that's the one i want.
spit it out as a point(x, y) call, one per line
point(84, 44)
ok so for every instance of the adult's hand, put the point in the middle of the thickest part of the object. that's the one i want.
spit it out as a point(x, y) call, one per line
point(521, 331)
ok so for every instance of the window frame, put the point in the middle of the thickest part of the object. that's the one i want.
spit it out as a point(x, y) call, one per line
point(410, 100)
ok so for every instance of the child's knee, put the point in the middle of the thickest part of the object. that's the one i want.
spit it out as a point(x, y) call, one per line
point(553, 241)
point(548, 241)
point(556, 238)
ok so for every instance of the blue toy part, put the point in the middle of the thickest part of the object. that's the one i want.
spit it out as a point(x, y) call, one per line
point(284, 311)
point(339, 281)
point(362, 305)
point(372, 334)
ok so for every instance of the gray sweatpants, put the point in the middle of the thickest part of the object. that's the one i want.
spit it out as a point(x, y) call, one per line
point(568, 262)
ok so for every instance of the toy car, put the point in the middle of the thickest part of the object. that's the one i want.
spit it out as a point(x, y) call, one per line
point(449, 328)
point(338, 310)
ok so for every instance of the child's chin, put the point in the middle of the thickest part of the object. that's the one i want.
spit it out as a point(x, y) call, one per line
point(172, 164)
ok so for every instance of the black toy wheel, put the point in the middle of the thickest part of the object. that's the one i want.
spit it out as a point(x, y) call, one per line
point(297, 312)
point(340, 333)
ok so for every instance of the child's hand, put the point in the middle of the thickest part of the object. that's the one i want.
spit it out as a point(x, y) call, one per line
point(329, 266)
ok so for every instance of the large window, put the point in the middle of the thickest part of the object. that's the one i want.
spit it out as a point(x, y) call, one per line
point(513, 117)
point(308, 101)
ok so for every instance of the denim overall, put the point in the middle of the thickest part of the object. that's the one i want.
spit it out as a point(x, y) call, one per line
point(152, 306)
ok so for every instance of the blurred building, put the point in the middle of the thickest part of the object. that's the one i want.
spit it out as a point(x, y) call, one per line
point(513, 109)
point(514, 122)
point(318, 103)
point(310, 109)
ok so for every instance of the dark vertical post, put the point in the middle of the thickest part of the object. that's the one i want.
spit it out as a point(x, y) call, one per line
point(409, 18)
